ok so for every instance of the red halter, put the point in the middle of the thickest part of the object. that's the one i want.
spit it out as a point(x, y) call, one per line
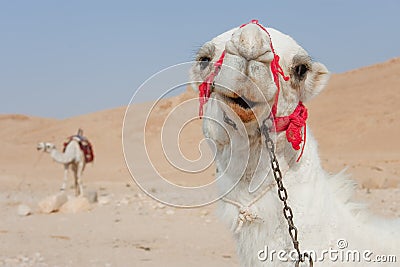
point(205, 87)
point(292, 124)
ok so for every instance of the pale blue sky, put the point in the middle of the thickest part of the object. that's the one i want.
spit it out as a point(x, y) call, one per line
point(64, 58)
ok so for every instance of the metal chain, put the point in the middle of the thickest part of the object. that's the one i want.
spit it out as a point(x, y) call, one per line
point(283, 196)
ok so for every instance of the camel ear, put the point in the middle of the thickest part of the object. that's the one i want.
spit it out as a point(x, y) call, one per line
point(317, 79)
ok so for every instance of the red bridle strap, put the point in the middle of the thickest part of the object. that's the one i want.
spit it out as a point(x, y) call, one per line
point(205, 87)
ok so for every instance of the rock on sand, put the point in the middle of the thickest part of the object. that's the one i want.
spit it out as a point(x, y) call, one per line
point(75, 204)
point(52, 203)
point(24, 210)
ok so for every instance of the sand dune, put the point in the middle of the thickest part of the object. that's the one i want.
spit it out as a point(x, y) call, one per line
point(356, 121)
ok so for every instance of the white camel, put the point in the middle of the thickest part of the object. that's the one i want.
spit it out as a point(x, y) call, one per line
point(72, 157)
point(322, 205)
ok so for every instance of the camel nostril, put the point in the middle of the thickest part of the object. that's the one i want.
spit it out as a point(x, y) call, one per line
point(252, 42)
point(267, 57)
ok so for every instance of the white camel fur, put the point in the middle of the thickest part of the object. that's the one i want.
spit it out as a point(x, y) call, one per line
point(324, 211)
point(72, 157)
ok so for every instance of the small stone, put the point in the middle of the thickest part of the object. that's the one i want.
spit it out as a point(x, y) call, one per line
point(24, 210)
point(159, 206)
point(75, 205)
point(141, 196)
point(170, 212)
point(204, 213)
point(91, 196)
point(52, 203)
point(104, 200)
point(39, 257)
point(125, 201)
point(24, 259)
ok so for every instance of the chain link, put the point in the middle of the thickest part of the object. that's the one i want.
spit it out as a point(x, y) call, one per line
point(283, 196)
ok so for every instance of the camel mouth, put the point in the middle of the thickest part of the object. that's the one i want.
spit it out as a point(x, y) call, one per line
point(242, 106)
point(240, 101)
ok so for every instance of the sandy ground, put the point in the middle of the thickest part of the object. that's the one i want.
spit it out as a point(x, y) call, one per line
point(355, 121)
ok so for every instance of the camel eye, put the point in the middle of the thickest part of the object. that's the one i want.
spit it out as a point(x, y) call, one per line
point(300, 70)
point(204, 61)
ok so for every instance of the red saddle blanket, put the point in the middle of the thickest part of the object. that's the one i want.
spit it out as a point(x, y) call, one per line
point(85, 146)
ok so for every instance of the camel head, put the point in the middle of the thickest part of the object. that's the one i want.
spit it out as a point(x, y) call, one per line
point(45, 147)
point(245, 89)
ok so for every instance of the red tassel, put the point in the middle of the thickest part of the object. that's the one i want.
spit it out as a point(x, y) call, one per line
point(293, 124)
point(205, 87)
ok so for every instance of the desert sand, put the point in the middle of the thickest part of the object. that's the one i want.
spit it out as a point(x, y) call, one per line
point(355, 120)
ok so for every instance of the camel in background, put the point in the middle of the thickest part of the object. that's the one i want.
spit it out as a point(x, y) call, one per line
point(76, 153)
